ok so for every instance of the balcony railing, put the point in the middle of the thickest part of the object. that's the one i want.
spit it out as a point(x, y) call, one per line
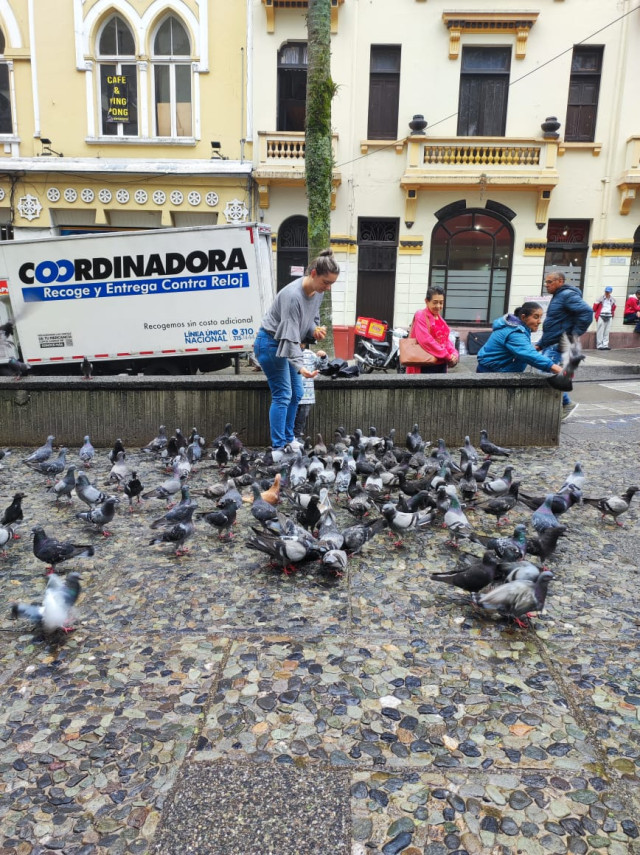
point(479, 154)
point(285, 148)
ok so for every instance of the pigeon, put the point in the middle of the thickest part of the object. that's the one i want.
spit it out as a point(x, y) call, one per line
point(158, 443)
point(166, 490)
point(41, 454)
point(333, 563)
point(223, 518)
point(414, 440)
point(132, 489)
point(87, 452)
point(490, 449)
point(402, 523)
point(613, 506)
point(272, 495)
point(54, 552)
point(512, 571)
point(65, 486)
point(177, 534)
point(355, 536)
point(7, 534)
point(100, 516)
point(87, 493)
point(179, 513)
point(329, 535)
point(286, 550)
point(506, 548)
point(119, 471)
point(470, 451)
point(231, 492)
point(576, 479)
point(467, 484)
point(113, 454)
point(51, 468)
point(4, 452)
point(457, 523)
point(13, 513)
point(543, 517)
point(60, 595)
point(499, 486)
point(499, 506)
point(87, 369)
point(474, 577)
point(17, 368)
point(180, 463)
point(560, 502)
point(481, 472)
point(516, 599)
point(309, 517)
point(545, 544)
point(572, 355)
point(194, 450)
point(261, 510)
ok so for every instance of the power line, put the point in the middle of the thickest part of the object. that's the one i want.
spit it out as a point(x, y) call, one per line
point(394, 143)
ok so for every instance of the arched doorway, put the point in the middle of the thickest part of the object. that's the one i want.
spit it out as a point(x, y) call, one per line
point(471, 255)
point(293, 253)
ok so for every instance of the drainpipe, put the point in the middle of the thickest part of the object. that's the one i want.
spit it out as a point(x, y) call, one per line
point(37, 130)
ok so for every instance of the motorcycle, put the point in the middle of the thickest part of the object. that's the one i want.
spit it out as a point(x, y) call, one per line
point(375, 355)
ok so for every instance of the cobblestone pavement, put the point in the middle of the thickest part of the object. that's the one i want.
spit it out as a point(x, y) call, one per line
point(210, 704)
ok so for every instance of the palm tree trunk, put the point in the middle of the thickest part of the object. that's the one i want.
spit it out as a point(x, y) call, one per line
point(318, 154)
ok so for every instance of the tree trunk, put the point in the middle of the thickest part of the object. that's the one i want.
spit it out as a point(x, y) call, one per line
point(318, 154)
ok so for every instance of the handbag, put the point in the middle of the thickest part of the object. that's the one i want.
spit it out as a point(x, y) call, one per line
point(411, 353)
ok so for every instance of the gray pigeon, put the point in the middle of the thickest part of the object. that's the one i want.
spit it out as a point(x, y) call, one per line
point(87, 369)
point(87, 493)
point(457, 523)
point(41, 454)
point(286, 550)
point(544, 518)
point(65, 486)
point(499, 486)
point(158, 443)
point(333, 563)
point(506, 548)
point(516, 599)
point(576, 479)
point(60, 595)
point(613, 506)
point(100, 516)
point(17, 368)
point(167, 490)
point(179, 513)
point(51, 468)
point(7, 536)
point(87, 452)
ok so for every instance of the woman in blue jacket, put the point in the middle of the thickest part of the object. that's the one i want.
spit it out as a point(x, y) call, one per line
point(509, 347)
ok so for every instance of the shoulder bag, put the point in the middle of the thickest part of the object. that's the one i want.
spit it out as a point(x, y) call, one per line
point(412, 354)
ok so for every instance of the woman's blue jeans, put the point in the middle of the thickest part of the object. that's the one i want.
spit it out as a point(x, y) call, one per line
point(286, 389)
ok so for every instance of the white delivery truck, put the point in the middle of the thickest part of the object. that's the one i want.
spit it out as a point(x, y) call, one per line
point(166, 301)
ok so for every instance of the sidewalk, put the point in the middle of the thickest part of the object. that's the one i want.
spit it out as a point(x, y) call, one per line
point(210, 704)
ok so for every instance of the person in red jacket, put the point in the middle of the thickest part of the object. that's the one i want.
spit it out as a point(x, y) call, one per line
point(604, 310)
point(632, 310)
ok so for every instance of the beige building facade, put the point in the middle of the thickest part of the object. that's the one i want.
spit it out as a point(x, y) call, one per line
point(476, 146)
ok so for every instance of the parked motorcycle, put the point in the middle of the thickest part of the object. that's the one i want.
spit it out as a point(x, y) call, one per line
point(373, 355)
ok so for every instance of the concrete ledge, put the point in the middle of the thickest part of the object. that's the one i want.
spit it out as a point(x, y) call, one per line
point(515, 409)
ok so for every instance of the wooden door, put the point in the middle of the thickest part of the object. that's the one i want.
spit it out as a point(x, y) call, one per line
point(377, 256)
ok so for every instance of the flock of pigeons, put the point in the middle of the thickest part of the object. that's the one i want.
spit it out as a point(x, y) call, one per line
point(296, 497)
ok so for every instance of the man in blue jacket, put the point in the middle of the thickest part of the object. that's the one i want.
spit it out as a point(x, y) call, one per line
point(567, 313)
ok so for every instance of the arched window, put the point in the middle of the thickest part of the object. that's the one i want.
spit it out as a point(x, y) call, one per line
point(293, 252)
point(171, 57)
point(6, 120)
point(118, 79)
point(292, 86)
point(471, 254)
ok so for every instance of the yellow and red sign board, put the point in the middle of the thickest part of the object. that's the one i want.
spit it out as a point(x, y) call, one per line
point(4, 288)
point(371, 328)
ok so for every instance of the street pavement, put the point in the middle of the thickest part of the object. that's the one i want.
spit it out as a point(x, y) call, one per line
point(211, 704)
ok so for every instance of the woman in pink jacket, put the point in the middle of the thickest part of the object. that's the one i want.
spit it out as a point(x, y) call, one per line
point(432, 334)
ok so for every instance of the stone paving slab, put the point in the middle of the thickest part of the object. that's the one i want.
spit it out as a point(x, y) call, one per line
point(92, 735)
point(451, 705)
point(275, 810)
point(538, 813)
